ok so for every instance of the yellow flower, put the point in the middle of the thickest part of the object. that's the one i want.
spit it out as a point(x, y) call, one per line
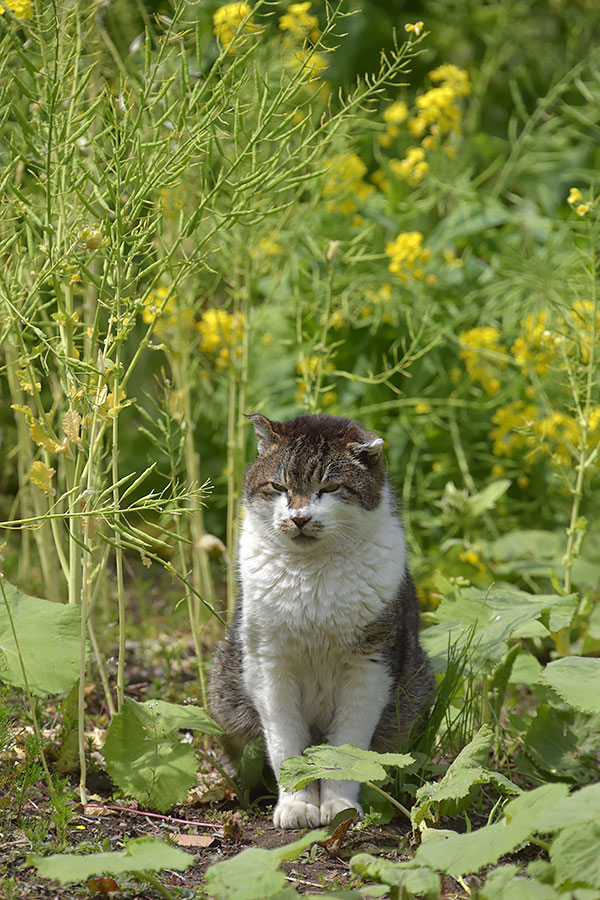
point(478, 347)
point(407, 254)
point(219, 329)
point(22, 9)
point(422, 409)
point(583, 209)
point(227, 20)
point(299, 23)
point(329, 398)
point(415, 29)
point(472, 557)
point(396, 112)
point(534, 349)
point(437, 107)
point(153, 306)
point(497, 470)
point(575, 196)
point(412, 168)
point(345, 184)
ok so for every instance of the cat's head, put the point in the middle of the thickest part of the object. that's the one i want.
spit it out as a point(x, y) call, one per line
point(315, 476)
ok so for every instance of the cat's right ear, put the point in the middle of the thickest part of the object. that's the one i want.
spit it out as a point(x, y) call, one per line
point(266, 432)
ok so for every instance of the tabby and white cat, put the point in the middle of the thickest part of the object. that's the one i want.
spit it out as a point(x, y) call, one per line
point(324, 645)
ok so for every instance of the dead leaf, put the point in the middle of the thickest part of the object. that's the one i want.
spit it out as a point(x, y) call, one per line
point(335, 840)
point(211, 788)
point(194, 840)
point(96, 811)
point(101, 885)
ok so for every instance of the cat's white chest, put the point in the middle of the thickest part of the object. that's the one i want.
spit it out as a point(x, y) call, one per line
point(321, 595)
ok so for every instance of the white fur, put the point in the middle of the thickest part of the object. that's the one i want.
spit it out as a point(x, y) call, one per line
point(305, 605)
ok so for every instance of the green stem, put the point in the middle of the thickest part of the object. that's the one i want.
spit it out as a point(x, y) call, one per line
point(391, 799)
point(148, 878)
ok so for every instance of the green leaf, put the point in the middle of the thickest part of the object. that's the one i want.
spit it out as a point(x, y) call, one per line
point(486, 499)
point(468, 770)
point(504, 883)
point(413, 879)
point(345, 763)
point(251, 764)
point(254, 874)
point(171, 717)
point(144, 854)
point(577, 680)
point(463, 853)
point(494, 616)
point(553, 743)
point(145, 758)
point(575, 853)
point(48, 636)
point(576, 808)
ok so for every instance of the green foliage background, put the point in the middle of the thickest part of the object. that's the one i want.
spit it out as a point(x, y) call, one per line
point(335, 214)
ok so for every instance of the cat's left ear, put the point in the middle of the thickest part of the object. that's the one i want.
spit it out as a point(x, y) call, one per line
point(370, 449)
point(266, 431)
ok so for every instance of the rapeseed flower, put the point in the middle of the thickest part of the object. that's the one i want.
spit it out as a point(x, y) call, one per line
point(299, 23)
point(22, 9)
point(415, 28)
point(478, 345)
point(437, 107)
point(408, 255)
point(345, 183)
point(534, 349)
point(227, 21)
point(412, 168)
point(219, 330)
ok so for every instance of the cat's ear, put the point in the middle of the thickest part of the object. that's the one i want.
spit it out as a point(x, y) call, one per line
point(369, 450)
point(266, 431)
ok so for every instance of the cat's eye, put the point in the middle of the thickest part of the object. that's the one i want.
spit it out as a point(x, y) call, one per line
point(277, 486)
point(330, 488)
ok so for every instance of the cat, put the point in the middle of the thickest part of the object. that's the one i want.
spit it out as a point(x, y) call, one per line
point(324, 643)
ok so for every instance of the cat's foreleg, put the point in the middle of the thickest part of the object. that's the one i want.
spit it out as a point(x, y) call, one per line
point(286, 734)
point(361, 698)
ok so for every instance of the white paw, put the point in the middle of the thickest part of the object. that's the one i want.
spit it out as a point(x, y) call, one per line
point(330, 808)
point(294, 813)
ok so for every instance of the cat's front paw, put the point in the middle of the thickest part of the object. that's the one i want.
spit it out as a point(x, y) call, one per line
point(292, 812)
point(330, 808)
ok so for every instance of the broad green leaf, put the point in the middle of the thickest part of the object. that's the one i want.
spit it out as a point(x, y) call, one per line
point(463, 853)
point(504, 883)
point(412, 878)
point(553, 744)
point(171, 717)
point(254, 874)
point(345, 763)
point(468, 770)
point(531, 806)
point(577, 680)
point(526, 669)
point(577, 808)
point(144, 854)
point(575, 853)
point(48, 636)
point(146, 761)
point(481, 624)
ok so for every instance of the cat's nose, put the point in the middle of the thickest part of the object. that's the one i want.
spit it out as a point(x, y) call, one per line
point(300, 521)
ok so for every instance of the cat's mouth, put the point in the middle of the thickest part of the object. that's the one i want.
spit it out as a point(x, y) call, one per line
point(302, 538)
